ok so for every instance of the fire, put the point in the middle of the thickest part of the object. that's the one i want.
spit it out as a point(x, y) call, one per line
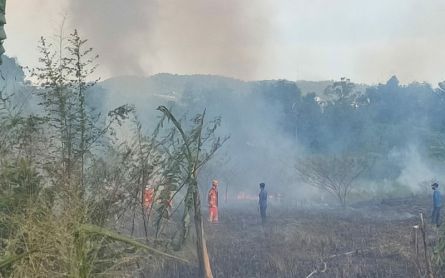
point(242, 196)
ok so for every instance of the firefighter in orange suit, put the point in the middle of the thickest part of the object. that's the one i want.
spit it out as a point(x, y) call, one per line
point(213, 202)
point(148, 197)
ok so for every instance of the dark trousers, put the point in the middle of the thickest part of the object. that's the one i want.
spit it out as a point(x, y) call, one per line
point(436, 216)
point(263, 214)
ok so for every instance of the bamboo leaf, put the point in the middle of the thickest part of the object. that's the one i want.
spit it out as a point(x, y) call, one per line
point(92, 229)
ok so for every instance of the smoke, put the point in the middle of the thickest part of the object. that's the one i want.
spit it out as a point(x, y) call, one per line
point(120, 31)
point(417, 173)
point(219, 37)
point(367, 41)
point(234, 38)
point(197, 36)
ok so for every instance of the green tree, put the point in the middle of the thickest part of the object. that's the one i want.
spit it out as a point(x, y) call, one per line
point(195, 154)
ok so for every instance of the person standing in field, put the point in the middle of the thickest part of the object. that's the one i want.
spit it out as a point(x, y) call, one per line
point(437, 204)
point(148, 197)
point(213, 202)
point(262, 202)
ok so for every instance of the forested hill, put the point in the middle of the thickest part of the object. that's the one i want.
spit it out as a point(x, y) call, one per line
point(401, 126)
point(169, 85)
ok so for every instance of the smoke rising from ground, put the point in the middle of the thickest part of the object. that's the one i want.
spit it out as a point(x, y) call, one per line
point(273, 126)
point(235, 38)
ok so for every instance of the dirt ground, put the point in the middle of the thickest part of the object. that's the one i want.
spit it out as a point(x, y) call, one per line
point(373, 239)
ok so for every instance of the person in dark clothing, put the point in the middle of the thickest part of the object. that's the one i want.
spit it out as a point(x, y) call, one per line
point(437, 204)
point(263, 202)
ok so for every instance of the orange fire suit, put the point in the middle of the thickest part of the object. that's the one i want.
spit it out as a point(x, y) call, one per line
point(213, 204)
point(148, 197)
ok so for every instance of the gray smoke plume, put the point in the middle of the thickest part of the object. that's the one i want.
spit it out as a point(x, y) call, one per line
point(219, 37)
point(120, 31)
point(196, 36)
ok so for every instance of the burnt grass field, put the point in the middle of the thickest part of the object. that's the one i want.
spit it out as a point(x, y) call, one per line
point(372, 239)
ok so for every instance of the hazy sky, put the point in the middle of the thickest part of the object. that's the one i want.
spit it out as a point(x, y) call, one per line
point(365, 40)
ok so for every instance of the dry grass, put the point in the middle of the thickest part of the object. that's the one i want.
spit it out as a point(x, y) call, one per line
point(63, 244)
point(295, 242)
point(370, 240)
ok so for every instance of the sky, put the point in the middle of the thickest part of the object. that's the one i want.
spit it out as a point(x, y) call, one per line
point(366, 41)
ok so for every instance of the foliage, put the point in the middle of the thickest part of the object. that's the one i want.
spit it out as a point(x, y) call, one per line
point(58, 243)
point(192, 148)
point(342, 91)
point(335, 174)
point(19, 184)
point(439, 253)
point(60, 198)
